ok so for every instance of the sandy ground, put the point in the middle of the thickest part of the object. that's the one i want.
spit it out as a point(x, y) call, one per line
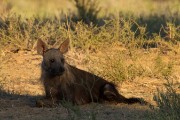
point(21, 87)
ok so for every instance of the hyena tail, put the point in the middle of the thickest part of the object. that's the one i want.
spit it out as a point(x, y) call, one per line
point(111, 94)
point(134, 100)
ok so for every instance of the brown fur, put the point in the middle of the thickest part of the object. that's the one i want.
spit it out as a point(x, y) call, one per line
point(65, 82)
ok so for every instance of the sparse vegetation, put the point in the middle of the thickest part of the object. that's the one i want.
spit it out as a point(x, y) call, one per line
point(168, 103)
point(115, 39)
point(162, 68)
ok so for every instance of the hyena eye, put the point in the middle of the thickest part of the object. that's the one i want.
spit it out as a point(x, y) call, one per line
point(52, 60)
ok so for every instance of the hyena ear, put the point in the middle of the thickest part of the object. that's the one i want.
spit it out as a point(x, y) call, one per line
point(64, 46)
point(41, 47)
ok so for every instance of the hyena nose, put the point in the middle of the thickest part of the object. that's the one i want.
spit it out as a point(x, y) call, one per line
point(61, 69)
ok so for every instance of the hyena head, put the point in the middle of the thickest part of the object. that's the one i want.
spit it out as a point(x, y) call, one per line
point(53, 59)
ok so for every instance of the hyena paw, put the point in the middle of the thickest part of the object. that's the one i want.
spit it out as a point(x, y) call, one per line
point(45, 103)
point(39, 103)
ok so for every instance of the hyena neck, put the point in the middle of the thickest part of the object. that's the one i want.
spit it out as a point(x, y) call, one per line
point(67, 76)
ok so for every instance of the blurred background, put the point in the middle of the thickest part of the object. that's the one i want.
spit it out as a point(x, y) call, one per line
point(28, 8)
point(150, 13)
point(148, 18)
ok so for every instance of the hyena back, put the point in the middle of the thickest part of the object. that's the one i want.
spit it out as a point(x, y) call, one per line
point(65, 82)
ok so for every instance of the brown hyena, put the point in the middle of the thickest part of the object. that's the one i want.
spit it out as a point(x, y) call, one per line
point(65, 82)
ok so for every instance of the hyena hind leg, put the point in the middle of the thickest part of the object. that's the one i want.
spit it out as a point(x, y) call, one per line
point(110, 93)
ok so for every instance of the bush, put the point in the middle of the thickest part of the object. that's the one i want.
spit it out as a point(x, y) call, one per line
point(168, 103)
point(88, 11)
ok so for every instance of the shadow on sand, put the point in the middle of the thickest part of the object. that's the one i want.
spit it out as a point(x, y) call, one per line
point(14, 106)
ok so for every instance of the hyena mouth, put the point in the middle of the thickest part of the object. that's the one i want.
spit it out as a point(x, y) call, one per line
point(54, 72)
